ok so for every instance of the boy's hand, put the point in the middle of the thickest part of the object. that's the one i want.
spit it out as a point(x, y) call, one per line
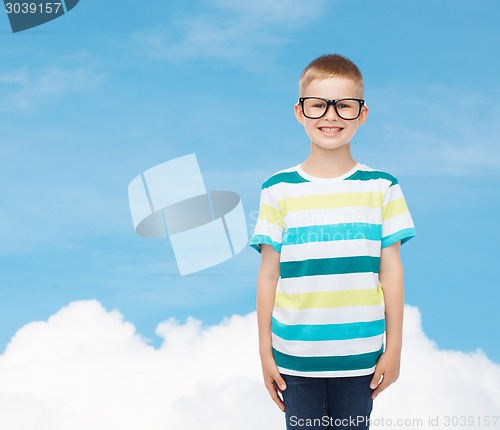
point(388, 369)
point(273, 380)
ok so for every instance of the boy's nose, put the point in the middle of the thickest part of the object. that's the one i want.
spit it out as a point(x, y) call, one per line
point(331, 113)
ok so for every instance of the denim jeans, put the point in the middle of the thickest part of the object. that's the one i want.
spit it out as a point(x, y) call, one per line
point(327, 403)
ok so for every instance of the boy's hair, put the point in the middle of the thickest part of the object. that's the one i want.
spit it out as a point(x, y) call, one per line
point(328, 66)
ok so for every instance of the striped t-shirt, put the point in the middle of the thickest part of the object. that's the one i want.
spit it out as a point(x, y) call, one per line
point(328, 317)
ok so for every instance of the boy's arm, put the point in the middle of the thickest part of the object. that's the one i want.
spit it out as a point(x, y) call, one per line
point(269, 274)
point(392, 279)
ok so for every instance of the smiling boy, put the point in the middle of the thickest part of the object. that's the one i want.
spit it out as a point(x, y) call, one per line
point(330, 284)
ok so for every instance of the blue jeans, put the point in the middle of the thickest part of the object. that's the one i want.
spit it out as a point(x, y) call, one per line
point(327, 403)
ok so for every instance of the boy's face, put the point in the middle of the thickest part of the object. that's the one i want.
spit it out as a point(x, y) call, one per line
point(330, 131)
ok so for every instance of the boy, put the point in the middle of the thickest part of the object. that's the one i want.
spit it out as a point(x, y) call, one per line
point(331, 279)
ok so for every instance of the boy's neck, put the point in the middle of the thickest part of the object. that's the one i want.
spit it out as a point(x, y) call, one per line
point(328, 163)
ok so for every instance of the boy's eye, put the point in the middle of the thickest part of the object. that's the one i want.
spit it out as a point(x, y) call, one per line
point(316, 104)
point(344, 105)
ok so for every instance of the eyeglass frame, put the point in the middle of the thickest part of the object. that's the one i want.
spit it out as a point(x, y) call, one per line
point(334, 104)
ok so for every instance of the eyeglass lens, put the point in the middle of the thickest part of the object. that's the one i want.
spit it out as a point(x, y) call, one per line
point(346, 109)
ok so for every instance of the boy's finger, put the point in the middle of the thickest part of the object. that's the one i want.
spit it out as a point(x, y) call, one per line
point(280, 382)
point(273, 392)
point(381, 387)
point(375, 380)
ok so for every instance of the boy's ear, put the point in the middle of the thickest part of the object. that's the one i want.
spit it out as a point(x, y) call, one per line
point(298, 113)
point(363, 115)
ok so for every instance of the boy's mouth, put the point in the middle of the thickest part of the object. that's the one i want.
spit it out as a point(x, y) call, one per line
point(330, 130)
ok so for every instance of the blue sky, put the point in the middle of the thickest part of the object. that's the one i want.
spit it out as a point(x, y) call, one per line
point(92, 99)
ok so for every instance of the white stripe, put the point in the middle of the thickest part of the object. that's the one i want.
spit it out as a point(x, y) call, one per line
point(307, 188)
point(331, 249)
point(341, 315)
point(329, 374)
point(396, 223)
point(337, 282)
point(340, 215)
point(328, 348)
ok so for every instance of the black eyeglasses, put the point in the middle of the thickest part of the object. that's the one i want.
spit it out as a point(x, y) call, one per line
point(316, 107)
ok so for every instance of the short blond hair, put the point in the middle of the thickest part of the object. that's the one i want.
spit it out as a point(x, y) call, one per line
point(328, 66)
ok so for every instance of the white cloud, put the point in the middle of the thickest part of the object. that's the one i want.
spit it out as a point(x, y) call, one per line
point(436, 129)
point(276, 11)
point(236, 32)
point(441, 383)
point(26, 90)
point(88, 368)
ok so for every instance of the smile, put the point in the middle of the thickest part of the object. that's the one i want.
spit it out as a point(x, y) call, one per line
point(330, 130)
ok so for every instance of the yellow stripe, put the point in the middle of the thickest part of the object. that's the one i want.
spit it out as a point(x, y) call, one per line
point(327, 201)
point(396, 207)
point(330, 299)
point(271, 215)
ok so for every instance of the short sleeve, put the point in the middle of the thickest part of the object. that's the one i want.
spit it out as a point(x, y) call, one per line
point(270, 225)
point(397, 223)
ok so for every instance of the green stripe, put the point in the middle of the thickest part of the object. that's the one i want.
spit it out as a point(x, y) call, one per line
point(287, 177)
point(327, 363)
point(364, 175)
point(293, 177)
point(319, 332)
point(332, 232)
point(329, 266)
